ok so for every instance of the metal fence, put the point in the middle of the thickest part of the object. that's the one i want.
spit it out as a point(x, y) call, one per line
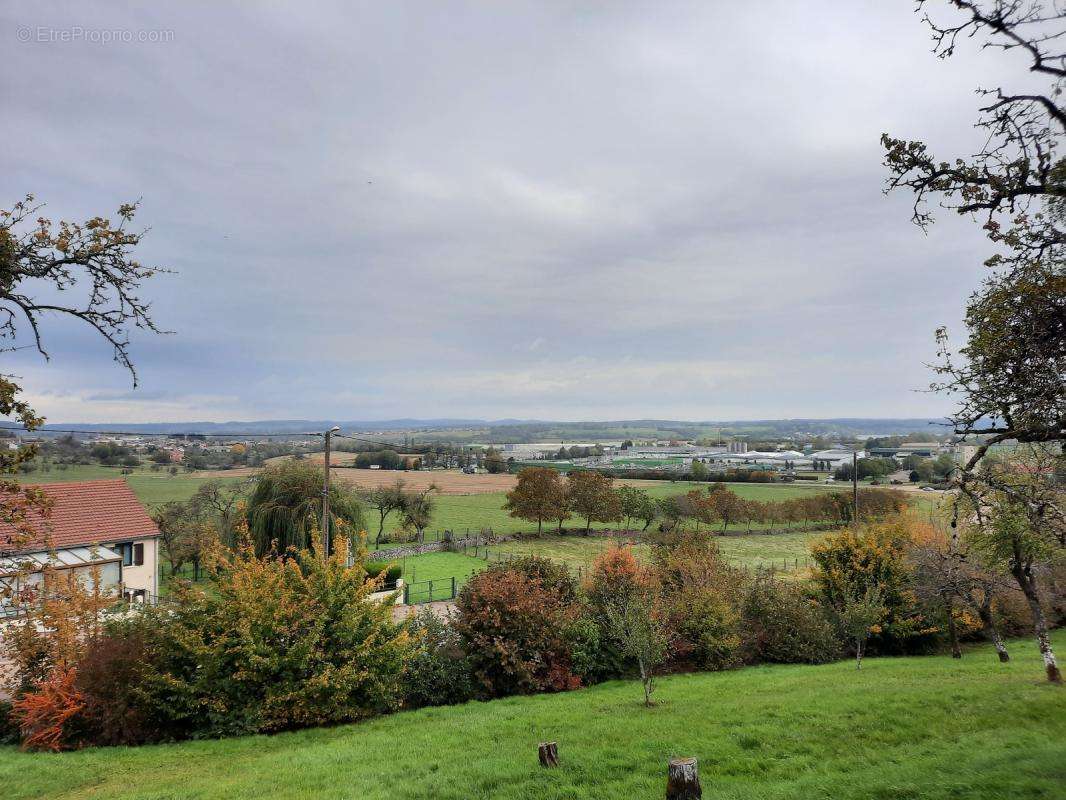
point(429, 591)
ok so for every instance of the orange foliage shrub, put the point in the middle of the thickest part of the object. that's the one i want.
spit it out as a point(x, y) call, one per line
point(45, 714)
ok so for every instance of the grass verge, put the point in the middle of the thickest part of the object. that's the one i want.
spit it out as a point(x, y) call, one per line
point(911, 728)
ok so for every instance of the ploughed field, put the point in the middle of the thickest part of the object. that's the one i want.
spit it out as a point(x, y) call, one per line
point(916, 728)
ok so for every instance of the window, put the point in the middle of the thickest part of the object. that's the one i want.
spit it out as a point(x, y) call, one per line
point(138, 553)
point(126, 551)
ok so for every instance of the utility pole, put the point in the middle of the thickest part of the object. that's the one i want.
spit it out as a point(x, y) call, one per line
point(854, 486)
point(325, 492)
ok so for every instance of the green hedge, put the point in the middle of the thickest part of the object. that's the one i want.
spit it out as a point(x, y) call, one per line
point(393, 572)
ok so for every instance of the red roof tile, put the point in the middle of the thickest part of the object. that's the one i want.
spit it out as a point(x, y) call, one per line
point(88, 512)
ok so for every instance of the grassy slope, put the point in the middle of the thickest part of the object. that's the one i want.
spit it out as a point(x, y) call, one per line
point(902, 728)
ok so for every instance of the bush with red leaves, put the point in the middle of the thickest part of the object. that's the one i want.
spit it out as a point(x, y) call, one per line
point(47, 714)
point(517, 632)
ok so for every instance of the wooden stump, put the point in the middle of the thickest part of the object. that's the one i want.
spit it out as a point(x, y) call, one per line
point(683, 780)
point(548, 752)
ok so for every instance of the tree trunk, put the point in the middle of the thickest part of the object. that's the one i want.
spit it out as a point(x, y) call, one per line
point(548, 753)
point(1023, 574)
point(859, 644)
point(984, 611)
point(683, 780)
point(540, 526)
point(953, 629)
point(645, 679)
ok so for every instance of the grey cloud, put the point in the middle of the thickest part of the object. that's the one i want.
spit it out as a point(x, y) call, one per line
point(382, 209)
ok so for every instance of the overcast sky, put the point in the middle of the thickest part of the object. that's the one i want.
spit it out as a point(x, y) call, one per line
point(549, 210)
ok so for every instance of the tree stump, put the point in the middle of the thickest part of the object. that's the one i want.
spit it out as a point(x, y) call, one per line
point(683, 780)
point(548, 752)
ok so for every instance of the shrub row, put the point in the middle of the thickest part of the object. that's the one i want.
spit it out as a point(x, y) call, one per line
point(285, 642)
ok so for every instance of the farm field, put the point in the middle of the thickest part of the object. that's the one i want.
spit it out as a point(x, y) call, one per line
point(151, 488)
point(453, 482)
point(921, 728)
point(467, 502)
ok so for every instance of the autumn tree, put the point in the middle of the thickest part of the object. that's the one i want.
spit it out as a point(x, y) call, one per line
point(591, 495)
point(875, 556)
point(539, 495)
point(1007, 378)
point(673, 510)
point(725, 505)
point(1006, 522)
point(626, 601)
point(950, 571)
point(42, 266)
point(637, 504)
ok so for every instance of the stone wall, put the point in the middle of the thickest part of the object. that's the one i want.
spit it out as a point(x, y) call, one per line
point(455, 545)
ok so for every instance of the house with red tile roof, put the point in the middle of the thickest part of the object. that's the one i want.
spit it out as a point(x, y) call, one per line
point(91, 523)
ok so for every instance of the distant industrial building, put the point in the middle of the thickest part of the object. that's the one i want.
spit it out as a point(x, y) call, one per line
point(923, 449)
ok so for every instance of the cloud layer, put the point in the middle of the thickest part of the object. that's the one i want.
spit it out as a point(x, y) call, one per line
point(500, 210)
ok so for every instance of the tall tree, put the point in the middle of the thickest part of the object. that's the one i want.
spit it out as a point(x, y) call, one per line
point(1009, 378)
point(539, 495)
point(592, 496)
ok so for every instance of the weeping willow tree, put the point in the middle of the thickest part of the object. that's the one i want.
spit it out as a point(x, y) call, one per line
point(287, 503)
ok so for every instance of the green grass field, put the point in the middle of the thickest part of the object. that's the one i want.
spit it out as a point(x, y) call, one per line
point(472, 512)
point(927, 728)
point(786, 552)
point(439, 566)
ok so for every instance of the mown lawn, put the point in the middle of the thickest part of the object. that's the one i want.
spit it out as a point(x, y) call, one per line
point(915, 728)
